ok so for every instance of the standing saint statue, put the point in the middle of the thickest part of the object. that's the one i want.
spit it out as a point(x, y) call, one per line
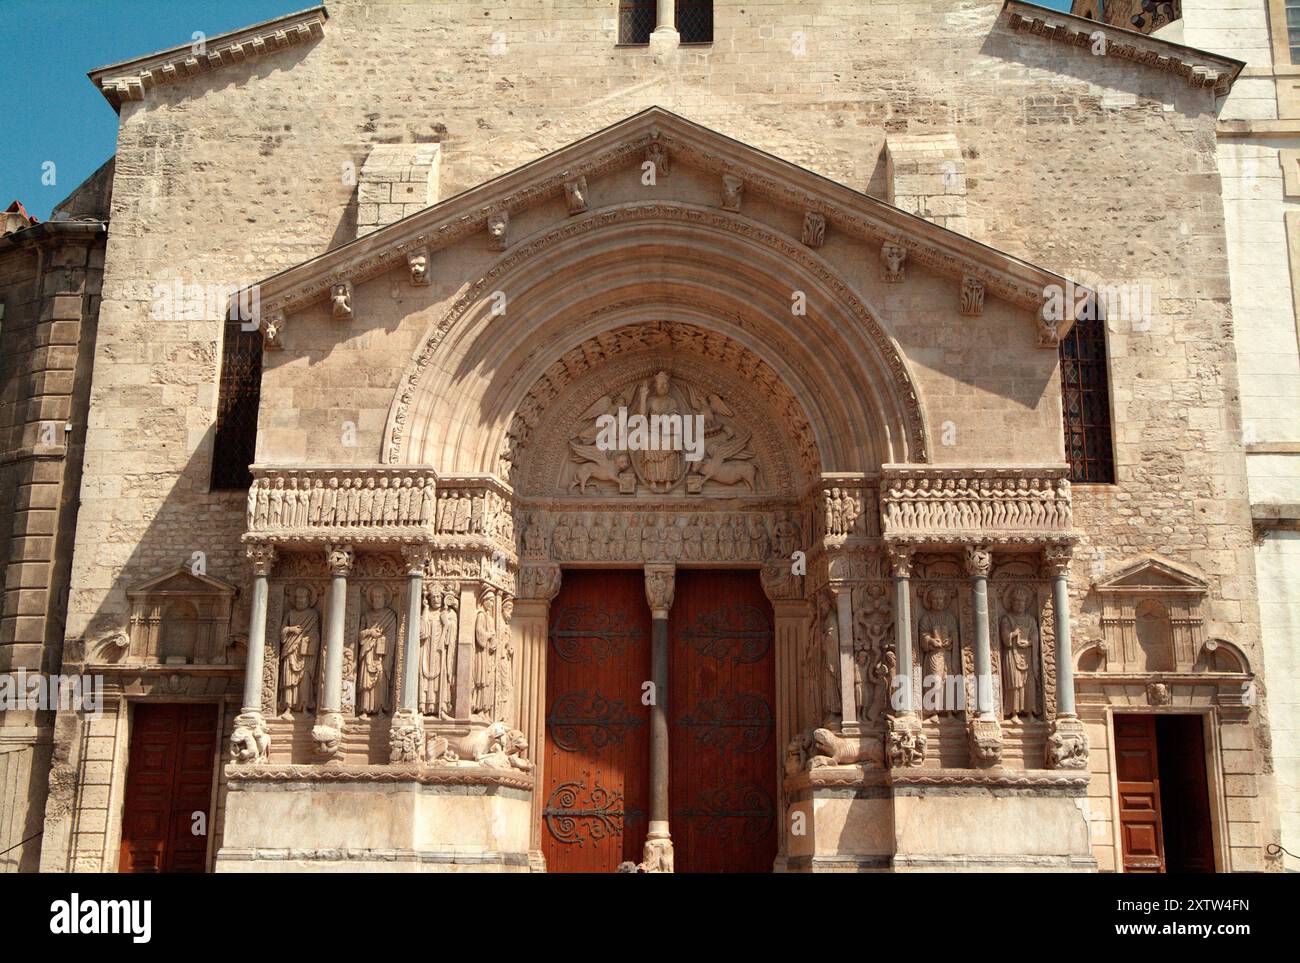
point(431, 652)
point(485, 647)
point(299, 652)
point(661, 468)
point(938, 630)
point(829, 625)
point(505, 666)
point(1018, 632)
point(377, 642)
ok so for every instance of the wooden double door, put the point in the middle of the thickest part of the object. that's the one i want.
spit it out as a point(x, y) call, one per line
point(166, 814)
point(1164, 800)
point(722, 752)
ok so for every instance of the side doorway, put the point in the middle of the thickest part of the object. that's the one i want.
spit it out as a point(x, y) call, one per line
point(169, 783)
point(1164, 799)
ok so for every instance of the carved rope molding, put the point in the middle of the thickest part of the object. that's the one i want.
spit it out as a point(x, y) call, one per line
point(903, 386)
point(130, 79)
point(1028, 505)
point(1197, 67)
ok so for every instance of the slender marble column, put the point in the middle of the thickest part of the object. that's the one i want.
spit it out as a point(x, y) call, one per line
point(659, 585)
point(1058, 566)
point(328, 732)
point(538, 584)
point(251, 740)
point(406, 734)
point(978, 564)
point(901, 563)
point(844, 619)
point(665, 14)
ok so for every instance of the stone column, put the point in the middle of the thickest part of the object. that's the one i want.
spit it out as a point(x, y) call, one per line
point(844, 619)
point(1067, 740)
point(905, 745)
point(666, 15)
point(660, 582)
point(538, 586)
point(251, 740)
point(406, 734)
point(985, 733)
point(328, 731)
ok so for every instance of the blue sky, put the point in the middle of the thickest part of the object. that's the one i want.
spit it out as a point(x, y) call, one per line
point(54, 114)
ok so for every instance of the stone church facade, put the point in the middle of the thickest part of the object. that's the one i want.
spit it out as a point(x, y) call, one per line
point(959, 574)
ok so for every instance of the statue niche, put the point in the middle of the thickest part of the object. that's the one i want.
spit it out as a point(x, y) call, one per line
point(376, 645)
point(439, 628)
point(660, 435)
point(1020, 641)
point(299, 652)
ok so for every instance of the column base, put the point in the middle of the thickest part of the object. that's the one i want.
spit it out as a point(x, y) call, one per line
point(1067, 744)
point(328, 735)
point(985, 743)
point(657, 854)
point(251, 739)
point(406, 736)
point(905, 742)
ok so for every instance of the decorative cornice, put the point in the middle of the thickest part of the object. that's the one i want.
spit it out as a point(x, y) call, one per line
point(847, 211)
point(459, 775)
point(860, 777)
point(129, 79)
point(1198, 68)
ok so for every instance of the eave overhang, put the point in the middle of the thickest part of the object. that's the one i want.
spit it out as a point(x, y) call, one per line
point(129, 79)
point(1198, 68)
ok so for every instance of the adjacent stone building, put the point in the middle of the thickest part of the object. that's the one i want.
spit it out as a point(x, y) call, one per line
point(945, 559)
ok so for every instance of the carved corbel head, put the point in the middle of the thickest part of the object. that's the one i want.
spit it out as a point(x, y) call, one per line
point(893, 258)
point(575, 195)
point(733, 189)
point(341, 300)
point(498, 225)
point(656, 155)
point(417, 262)
point(272, 330)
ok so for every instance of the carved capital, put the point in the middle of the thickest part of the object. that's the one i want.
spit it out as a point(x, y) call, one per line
point(814, 229)
point(979, 560)
point(340, 559)
point(972, 296)
point(263, 559)
point(900, 560)
point(985, 742)
point(1056, 560)
point(539, 582)
point(1067, 744)
point(660, 583)
point(416, 557)
point(780, 583)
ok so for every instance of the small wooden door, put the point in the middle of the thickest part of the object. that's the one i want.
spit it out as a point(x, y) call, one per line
point(596, 803)
point(1138, 775)
point(1185, 794)
point(168, 781)
point(722, 752)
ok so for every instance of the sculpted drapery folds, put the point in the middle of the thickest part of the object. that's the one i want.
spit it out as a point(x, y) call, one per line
point(299, 652)
point(377, 644)
point(1018, 633)
point(485, 647)
point(438, 631)
point(504, 689)
point(937, 628)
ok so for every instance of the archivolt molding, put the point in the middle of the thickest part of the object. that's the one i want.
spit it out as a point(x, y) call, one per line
point(840, 297)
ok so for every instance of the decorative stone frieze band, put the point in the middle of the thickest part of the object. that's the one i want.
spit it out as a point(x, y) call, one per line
point(1029, 505)
point(1197, 67)
point(130, 79)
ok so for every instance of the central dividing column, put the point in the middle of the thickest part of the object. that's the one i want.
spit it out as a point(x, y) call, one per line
point(328, 731)
point(985, 733)
point(406, 734)
point(251, 740)
point(660, 581)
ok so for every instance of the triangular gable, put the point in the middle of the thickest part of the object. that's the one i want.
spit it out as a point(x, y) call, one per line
point(129, 79)
point(623, 144)
point(1153, 574)
point(181, 580)
point(1198, 68)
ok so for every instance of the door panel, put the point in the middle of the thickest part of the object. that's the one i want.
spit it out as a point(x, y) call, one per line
point(722, 680)
point(1185, 794)
point(597, 729)
point(1138, 775)
point(168, 780)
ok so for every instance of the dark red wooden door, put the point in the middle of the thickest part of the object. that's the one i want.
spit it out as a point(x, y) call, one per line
point(168, 781)
point(597, 728)
point(722, 681)
point(1138, 775)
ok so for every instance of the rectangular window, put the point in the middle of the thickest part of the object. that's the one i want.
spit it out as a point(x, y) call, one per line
point(636, 19)
point(1293, 29)
point(238, 395)
point(695, 21)
point(1085, 402)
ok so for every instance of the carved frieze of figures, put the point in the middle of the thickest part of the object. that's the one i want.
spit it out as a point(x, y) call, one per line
point(972, 296)
point(439, 630)
point(376, 648)
point(300, 646)
point(303, 502)
point(661, 435)
point(668, 536)
point(847, 510)
point(1020, 641)
point(975, 501)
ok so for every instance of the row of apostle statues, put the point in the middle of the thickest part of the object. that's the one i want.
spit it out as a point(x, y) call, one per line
point(360, 502)
point(942, 677)
point(370, 657)
point(1034, 503)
